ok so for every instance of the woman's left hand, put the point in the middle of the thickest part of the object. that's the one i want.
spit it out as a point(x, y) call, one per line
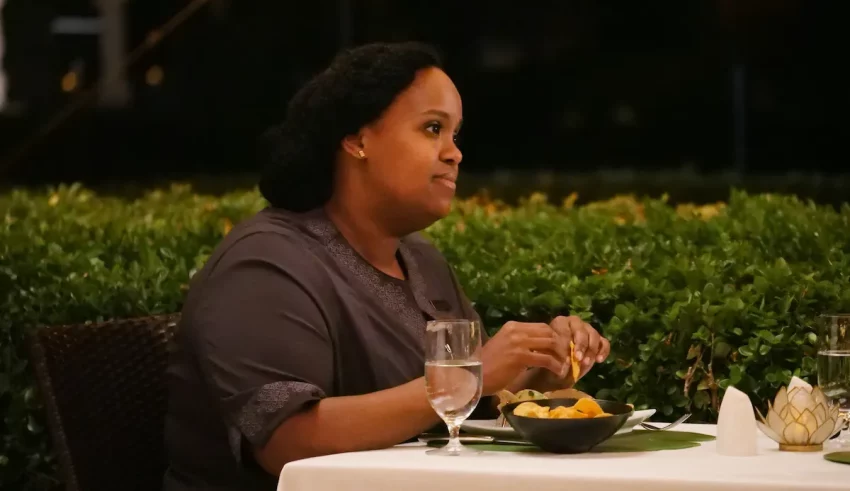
point(590, 346)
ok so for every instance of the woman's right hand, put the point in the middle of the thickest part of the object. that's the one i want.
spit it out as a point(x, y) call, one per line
point(519, 346)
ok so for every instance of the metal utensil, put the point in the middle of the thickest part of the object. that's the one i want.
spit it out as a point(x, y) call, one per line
point(669, 426)
point(471, 439)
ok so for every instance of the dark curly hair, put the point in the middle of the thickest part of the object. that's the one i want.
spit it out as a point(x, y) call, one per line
point(358, 86)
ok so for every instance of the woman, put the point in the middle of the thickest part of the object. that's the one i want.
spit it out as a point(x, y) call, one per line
point(302, 335)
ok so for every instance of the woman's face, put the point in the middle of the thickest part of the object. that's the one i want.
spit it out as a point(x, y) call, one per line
point(411, 155)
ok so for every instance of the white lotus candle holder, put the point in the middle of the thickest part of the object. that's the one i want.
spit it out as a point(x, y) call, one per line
point(801, 418)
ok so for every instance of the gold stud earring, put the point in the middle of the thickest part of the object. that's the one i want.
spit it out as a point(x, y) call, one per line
point(361, 154)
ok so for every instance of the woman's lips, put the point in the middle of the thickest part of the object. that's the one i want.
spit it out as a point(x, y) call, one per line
point(446, 181)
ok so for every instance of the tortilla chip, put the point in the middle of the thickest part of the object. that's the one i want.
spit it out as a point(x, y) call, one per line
point(531, 410)
point(574, 362)
point(559, 412)
point(572, 413)
point(588, 406)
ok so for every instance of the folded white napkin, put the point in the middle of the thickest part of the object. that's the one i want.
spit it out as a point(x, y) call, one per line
point(736, 425)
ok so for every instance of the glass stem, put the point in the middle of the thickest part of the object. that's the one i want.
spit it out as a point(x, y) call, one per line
point(454, 444)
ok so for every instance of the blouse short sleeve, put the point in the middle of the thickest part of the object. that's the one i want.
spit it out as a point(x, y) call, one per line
point(259, 332)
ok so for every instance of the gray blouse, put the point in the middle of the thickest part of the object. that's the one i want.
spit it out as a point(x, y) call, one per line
point(284, 313)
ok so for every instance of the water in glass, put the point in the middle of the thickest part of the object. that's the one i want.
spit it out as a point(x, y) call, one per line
point(454, 388)
point(834, 366)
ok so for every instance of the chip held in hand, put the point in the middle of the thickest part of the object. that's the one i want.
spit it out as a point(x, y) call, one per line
point(576, 367)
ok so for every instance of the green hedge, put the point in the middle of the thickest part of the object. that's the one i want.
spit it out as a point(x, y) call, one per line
point(692, 298)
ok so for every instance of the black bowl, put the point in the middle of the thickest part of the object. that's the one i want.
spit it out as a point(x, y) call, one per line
point(568, 435)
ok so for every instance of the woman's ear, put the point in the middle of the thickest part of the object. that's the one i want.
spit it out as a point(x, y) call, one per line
point(353, 145)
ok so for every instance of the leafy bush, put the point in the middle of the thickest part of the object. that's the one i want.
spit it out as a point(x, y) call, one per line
point(693, 298)
point(70, 256)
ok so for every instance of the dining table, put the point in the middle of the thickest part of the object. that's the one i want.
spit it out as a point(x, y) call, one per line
point(407, 467)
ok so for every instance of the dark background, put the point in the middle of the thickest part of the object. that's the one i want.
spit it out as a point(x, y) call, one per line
point(722, 87)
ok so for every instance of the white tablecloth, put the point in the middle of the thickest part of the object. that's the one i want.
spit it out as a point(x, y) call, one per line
point(407, 468)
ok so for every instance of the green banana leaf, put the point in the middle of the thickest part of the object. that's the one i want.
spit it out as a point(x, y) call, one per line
point(635, 441)
point(838, 457)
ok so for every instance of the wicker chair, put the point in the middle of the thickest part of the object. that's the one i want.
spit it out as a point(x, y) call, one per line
point(104, 390)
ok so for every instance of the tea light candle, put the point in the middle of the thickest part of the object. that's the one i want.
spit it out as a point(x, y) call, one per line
point(736, 425)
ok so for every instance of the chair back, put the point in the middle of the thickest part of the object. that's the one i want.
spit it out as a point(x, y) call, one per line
point(105, 393)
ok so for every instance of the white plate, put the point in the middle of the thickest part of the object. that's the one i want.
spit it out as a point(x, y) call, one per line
point(491, 427)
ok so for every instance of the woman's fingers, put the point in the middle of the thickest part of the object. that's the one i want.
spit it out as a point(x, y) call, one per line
point(551, 344)
point(580, 338)
point(531, 330)
point(545, 360)
point(604, 350)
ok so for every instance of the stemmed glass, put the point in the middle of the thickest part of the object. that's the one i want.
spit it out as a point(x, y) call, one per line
point(453, 375)
point(834, 366)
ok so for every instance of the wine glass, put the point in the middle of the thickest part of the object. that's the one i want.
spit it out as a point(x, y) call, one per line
point(453, 375)
point(834, 366)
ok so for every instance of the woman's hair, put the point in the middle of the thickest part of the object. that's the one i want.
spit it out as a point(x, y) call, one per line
point(299, 155)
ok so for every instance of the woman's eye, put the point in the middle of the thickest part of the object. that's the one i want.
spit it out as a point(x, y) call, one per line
point(434, 127)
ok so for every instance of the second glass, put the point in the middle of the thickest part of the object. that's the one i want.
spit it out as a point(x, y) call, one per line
point(834, 366)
